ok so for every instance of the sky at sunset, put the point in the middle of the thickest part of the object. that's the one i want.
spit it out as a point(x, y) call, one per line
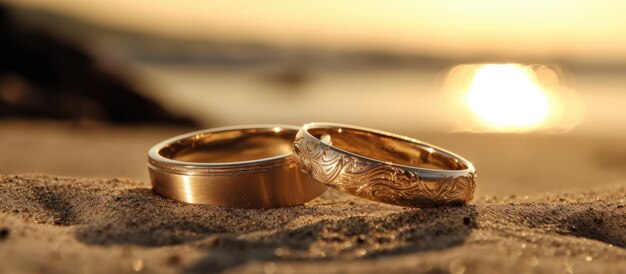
point(576, 29)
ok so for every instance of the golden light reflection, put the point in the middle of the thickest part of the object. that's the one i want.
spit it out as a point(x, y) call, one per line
point(188, 188)
point(512, 98)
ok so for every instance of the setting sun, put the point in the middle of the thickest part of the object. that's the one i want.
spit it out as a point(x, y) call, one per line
point(512, 98)
point(507, 97)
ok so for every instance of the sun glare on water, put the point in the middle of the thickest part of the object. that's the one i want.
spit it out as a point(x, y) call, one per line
point(511, 98)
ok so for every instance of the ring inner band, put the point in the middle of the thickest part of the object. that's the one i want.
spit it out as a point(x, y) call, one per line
point(231, 146)
point(388, 149)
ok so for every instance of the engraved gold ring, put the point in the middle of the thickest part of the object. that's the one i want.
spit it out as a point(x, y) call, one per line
point(243, 167)
point(383, 167)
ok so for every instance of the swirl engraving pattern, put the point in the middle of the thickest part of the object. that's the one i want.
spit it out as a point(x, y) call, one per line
point(380, 181)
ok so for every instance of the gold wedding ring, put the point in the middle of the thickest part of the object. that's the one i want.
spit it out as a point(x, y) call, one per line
point(242, 167)
point(384, 167)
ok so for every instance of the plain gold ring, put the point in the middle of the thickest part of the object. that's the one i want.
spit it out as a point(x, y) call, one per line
point(241, 167)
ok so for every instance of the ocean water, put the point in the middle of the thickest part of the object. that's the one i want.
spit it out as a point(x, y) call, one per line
point(398, 100)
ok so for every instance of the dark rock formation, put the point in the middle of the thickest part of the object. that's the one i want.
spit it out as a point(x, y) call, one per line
point(44, 76)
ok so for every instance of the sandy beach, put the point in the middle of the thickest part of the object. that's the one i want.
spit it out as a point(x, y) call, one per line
point(77, 225)
point(97, 214)
point(531, 94)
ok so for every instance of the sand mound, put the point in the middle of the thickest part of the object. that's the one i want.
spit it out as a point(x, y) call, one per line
point(75, 225)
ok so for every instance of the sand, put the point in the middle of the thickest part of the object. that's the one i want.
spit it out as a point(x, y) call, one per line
point(568, 214)
point(79, 225)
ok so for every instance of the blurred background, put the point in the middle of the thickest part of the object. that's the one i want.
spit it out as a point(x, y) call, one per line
point(531, 92)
